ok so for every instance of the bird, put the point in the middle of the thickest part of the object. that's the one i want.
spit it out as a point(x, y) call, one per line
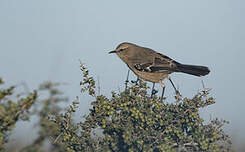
point(153, 66)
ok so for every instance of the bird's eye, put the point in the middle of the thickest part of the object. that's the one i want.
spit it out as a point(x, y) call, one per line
point(125, 48)
point(121, 50)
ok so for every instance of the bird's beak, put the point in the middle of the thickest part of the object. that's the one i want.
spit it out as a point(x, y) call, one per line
point(113, 52)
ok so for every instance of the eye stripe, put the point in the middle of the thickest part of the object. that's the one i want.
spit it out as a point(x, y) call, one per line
point(122, 49)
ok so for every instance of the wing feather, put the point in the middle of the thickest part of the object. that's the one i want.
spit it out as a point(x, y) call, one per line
point(161, 63)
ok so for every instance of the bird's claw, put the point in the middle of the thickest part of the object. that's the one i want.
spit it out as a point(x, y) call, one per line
point(135, 81)
point(154, 92)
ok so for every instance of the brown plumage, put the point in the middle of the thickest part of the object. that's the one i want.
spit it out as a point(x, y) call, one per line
point(153, 66)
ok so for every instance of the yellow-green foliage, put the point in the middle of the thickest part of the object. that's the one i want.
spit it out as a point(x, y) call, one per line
point(132, 121)
point(127, 121)
point(12, 110)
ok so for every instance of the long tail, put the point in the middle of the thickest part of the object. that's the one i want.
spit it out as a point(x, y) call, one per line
point(193, 69)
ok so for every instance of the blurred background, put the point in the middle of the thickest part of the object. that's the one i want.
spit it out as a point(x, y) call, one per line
point(44, 40)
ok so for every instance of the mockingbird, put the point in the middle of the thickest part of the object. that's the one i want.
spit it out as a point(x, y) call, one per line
point(153, 66)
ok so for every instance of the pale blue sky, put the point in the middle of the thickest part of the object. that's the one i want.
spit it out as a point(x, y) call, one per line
point(44, 40)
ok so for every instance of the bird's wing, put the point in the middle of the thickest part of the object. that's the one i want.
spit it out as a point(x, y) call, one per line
point(158, 63)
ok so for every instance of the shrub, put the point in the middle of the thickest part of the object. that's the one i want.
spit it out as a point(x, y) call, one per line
point(132, 121)
point(127, 121)
point(12, 109)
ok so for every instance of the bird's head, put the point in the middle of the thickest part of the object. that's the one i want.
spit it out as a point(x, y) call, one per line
point(123, 49)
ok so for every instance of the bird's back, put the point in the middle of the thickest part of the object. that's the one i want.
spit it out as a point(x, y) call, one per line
point(144, 56)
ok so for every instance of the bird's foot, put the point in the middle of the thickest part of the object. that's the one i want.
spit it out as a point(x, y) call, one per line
point(178, 93)
point(178, 96)
point(135, 81)
point(154, 91)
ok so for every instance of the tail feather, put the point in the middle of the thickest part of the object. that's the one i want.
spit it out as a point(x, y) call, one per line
point(193, 69)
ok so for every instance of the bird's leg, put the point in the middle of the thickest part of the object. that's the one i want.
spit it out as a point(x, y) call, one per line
point(136, 82)
point(163, 89)
point(153, 91)
point(176, 91)
point(153, 85)
point(126, 82)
